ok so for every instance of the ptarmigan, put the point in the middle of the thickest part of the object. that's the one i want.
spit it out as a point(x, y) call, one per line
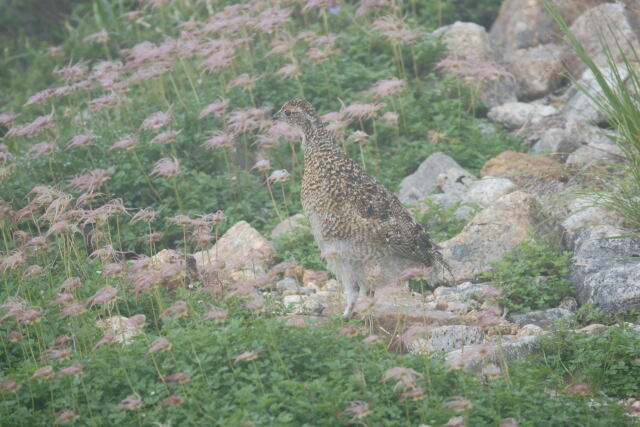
point(367, 237)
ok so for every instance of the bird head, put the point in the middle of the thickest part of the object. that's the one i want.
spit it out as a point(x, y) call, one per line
point(297, 113)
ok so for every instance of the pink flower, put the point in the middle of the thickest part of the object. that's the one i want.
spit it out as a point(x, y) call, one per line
point(79, 141)
point(130, 403)
point(40, 97)
point(161, 344)
point(387, 87)
point(156, 120)
point(219, 140)
point(91, 180)
point(8, 118)
point(357, 409)
point(215, 314)
point(41, 149)
point(246, 356)
point(262, 165)
point(243, 80)
point(358, 136)
point(74, 370)
point(173, 400)
point(73, 72)
point(165, 137)
point(177, 309)
point(126, 143)
point(280, 175)
point(363, 111)
point(178, 377)
point(100, 36)
point(73, 309)
point(166, 167)
point(289, 70)
point(104, 295)
point(216, 108)
point(45, 372)
point(147, 215)
point(9, 386)
point(32, 129)
point(64, 416)
point(107, 101)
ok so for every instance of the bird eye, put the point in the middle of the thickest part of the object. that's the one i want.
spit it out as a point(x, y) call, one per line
point(287, 112)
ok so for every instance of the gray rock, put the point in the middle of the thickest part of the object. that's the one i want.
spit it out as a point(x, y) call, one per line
point(304, 305)
point(464, 292)
point(525, 23)
point(530, 331)
point(288, 285)
point(487, 190)
point(470, 56)
point(465, 212)
point(605, 270)
point(288, 224)
point(606, 30)
point(579, 106)
point(423, 181)
point(245, 253)
point(447, 338)
point(541, 318)
point(512, 219)
point(475, 357)
point(538, 69)
point(516, 115)
point(558, 142)
point(584, 213)
point(455, 181)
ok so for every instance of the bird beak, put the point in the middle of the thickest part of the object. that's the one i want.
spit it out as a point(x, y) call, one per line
point(275, 116)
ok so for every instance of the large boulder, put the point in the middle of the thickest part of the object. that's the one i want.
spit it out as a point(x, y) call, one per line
point(424, 180)
point(538, 70)
point(596, 146)
point(609, 29)
point(242, 250)
point(488, 189)
point(579, 99)
point(525, 23)
point(556, 142)
point(518, 115)
point(493, 232)
point(605, 268)
point(470, 56)
point(521, 167)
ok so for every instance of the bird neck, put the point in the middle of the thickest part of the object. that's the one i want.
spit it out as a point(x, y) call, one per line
point(317, 141)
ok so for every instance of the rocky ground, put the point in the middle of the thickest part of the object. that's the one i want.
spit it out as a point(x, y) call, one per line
point(519, 194)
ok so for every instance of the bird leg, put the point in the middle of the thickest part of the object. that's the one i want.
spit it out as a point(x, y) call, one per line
point(352, 295)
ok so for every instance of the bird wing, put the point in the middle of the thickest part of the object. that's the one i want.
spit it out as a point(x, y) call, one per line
point(394, 225)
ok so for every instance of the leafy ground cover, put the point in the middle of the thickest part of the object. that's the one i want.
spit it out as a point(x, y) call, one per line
point(148, 128)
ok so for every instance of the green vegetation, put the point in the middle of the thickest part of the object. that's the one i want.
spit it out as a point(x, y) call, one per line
point(531, 277)
point(298, 244)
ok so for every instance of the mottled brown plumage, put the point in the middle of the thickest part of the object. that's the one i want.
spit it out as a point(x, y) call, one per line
point(362, 229)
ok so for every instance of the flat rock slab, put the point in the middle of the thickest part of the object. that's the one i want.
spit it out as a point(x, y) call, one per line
point(447, 338)
point(542, 318)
